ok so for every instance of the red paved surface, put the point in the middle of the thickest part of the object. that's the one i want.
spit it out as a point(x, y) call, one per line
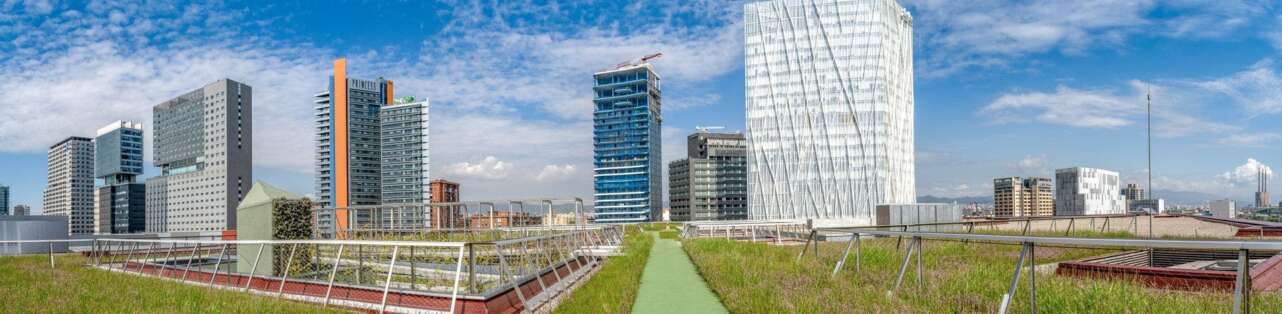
point(1266, 276)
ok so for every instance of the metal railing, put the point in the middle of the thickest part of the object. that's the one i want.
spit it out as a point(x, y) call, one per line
point(773, 231)
point(1241, 288)
point(538, 267)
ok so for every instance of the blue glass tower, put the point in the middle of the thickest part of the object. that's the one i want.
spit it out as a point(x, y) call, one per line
point(626, 138)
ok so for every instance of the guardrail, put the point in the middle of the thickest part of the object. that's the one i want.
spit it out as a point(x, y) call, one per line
point(1241, 289)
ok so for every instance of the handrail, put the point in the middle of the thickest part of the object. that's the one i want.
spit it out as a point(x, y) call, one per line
point(320, 242)
point(1110, 242)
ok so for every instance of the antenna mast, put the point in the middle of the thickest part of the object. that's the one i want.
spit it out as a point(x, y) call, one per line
point(1149, 97)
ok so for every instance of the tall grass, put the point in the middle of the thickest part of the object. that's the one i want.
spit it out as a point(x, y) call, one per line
point(960, 278)
point(614, 287)
point(27, 285)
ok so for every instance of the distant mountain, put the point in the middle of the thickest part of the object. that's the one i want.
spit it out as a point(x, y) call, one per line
point(1190, 197)
point(960, 200)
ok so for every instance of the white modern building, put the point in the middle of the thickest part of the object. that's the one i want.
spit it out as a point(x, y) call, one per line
point(1088, 191)
point(70, 189)
point(406, 151)
point(1223, 208)
point(829, 97)
point(204, 148)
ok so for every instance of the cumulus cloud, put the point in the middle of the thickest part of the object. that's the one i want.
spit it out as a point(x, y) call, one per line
point(554, 173)
point(1032, 165)
point(1245, 174)
point(488, 168)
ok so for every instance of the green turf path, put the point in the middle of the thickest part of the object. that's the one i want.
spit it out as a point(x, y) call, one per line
point(671, 285)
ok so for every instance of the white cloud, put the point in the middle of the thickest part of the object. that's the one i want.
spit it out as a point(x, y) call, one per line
point(488, 168)
point(1251, 139)
point(957, 35)
point(1258, 89)
point(1032, 165)
point(1245, 174)
point(554, 173)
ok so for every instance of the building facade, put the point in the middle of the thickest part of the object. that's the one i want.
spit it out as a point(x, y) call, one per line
point(4, 200)
point(711, 183)
point(627, 139)
point(120, 204)
point(1133, 192)
point(203, 143)
point(504, 219)
point(70, 189)
point(21, 210)
point(406, 158)
point(444, 192)
point(1087, 191)
point(1223, 208)
point(829, 97)
point(348, 150)
point(1021, 197)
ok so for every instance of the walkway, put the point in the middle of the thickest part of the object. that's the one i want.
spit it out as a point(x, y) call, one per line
point(671, 285)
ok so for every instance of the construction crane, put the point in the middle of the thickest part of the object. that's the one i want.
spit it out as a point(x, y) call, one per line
point(643, 60)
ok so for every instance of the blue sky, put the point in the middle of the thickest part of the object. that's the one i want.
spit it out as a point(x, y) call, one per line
point(1002, 88)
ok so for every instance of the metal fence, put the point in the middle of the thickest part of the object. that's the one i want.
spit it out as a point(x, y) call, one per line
point(1241, 288)
point(536, 264)
point(773, 231)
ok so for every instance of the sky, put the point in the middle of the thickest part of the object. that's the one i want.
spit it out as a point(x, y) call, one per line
point(1003, 88)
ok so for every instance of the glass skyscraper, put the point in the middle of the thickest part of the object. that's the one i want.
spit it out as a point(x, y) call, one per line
point(829, 97)
point(626, 144)
point(121, 201)
point(348, 145)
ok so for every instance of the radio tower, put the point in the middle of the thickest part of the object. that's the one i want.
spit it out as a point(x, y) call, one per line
point(1148, 95)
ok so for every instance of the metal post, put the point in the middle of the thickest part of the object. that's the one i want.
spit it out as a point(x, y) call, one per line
point(858, 253)
point(920, 250)
point(387, 285)
point(903, 268)
point(471, 267)
point(1014, 281)
point(124, 266)
point(1032, 277)
point(844, 255)
point(165, 268)
point(257, 257)
point(285, 275)
point(218, 264)
point(413, 272)
point(503, 270)
point(458, 271)
point(194, 251)
point(333, 272)
point(1242, 286)
point(50, 254)
point(142, 265)
point(806, 247)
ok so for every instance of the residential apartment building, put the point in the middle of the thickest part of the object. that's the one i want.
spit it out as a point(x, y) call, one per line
point(829, 97)
point(1087, 191)
point(504, 219)
point(405, 146)
point(120, 204)
point(203, 142)
point(21, 210)
point(70, 184)
point(444, 192)
point(1022, 197)
point(1133, 192)
point(711, 183)
point(348, 149)
point(1224, 208)
point(627, 139)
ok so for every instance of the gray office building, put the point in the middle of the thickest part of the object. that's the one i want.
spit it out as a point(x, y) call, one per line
point(204, 148)
point(121, 201)
point(712, 182)
point(70, 185)
point(4, 201)
point(21, 210)
point(406, 152)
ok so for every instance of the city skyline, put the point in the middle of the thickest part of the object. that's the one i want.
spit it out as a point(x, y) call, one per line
point(977, 83)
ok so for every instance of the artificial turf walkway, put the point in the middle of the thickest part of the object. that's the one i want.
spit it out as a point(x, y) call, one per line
point(670, 283)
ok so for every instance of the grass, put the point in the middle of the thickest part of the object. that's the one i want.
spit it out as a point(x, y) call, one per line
point(27, 284)
point(960, 278)
point(669, 234)
point(614, 287)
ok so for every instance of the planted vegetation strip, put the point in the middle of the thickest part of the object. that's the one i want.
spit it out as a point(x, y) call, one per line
point(671, 284)
point(614, 287)
point(960, 277)
point(29, 285)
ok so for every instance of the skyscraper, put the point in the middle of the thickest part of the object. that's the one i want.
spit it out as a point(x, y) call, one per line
point(626, 138)
point(4, 200)
point(406, 163)
point(204, 149)
point(829, 90)
point(1087, 191)
point(1016, 197)
point(70, 189)
point(1133, 192)
point(348, 156)
point(1262, 190)
point(121, 201)
point(711, 183)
